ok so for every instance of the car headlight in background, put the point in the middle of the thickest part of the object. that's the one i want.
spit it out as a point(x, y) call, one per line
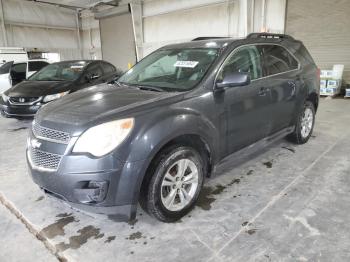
point(5, 97)
point(102, 139)
point(49, 98)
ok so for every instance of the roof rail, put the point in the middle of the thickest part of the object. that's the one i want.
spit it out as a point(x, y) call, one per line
point(208, 38)
point(269, 35)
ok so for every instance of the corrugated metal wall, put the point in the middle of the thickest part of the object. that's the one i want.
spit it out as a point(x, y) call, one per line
point(324, 27)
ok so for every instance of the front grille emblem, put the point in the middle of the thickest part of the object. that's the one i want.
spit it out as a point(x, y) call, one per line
point(22, 100)
point(35, 143)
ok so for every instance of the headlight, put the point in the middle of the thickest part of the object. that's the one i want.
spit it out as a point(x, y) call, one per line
point(54, 97)
point(5, 97)
point(102, 139)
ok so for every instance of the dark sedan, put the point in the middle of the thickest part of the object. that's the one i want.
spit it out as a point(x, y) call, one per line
point(52, 82)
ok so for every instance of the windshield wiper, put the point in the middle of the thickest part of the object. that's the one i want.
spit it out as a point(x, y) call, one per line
point(150, 88)
point(141, 87)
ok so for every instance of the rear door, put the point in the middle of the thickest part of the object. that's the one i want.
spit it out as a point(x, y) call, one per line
point(282, 70)
point(247, 107)
point(18, 73)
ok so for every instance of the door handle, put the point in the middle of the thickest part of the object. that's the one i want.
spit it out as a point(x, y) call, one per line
point(263, 91)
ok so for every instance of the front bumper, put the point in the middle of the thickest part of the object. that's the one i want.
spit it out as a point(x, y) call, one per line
point(115, 187)
point(18, 111)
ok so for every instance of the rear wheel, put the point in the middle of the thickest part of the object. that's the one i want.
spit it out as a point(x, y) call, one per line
point(305, 124)
point(175, 184)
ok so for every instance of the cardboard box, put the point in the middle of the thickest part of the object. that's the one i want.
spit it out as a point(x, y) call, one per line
point(347, 92)
point(333, 83)
point(323, 83)
point(326, 74)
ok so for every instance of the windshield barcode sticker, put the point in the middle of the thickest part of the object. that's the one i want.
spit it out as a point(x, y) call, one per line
point(189, 64)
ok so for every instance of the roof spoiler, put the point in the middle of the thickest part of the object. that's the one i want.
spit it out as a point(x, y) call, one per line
point(208, 38)
point(269, 35)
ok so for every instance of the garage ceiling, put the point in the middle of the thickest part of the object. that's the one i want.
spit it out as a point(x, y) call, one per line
point(79, 3)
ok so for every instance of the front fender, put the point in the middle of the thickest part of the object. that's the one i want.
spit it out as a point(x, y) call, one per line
point(153, 131)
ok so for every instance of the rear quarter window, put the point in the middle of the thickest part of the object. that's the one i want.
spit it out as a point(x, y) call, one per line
point(278, 60)
point(5, 68)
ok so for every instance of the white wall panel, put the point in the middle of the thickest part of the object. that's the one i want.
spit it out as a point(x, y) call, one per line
point(324, 27)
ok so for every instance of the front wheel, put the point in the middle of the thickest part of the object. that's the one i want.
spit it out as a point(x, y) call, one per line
point(175, 184)
point(305, 124)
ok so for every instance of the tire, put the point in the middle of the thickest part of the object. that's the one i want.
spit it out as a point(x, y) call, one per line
point(303, 128)
point(164, 196)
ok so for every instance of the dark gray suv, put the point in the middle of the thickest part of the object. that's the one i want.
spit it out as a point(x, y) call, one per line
point(157, 133)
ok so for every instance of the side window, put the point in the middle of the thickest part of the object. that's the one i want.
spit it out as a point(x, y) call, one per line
point(108, 68)
point(19, 68)
point(278, 60)
point(246, 59)
point(36, 65)
point(5, 68)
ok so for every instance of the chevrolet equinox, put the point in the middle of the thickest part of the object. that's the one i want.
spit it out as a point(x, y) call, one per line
point(156, 133)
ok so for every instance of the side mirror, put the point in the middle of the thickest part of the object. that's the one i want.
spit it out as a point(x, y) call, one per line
point(233, 79)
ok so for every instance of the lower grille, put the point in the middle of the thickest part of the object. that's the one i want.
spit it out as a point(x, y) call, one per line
point(44, 160)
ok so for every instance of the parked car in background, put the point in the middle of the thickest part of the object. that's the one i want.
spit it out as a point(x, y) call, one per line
point(51, 83)
point(12, 73)
point(176, 114)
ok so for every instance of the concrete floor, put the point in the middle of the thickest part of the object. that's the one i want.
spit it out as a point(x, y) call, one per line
point(288, 203)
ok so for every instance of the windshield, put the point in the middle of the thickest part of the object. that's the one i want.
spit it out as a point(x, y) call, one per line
point(171, 70)
point(5, 68)
point(60, 71)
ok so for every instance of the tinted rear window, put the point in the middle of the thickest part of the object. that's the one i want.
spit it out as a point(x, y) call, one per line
point(278, 60)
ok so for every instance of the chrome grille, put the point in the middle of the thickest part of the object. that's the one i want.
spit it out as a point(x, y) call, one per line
point(24, 100)
point(44, 160)
point(50, 134)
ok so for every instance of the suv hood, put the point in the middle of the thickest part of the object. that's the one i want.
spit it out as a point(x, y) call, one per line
point(99, 104)
point(38, 88)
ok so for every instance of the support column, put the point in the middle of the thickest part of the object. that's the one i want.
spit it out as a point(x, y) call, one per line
point(3, 28)
point(78, 24)
point(136, 15)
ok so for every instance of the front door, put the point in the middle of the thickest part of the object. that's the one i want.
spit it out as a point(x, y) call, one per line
point(247, 107)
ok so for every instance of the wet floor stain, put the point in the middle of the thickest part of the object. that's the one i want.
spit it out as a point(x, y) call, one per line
point(218, 190)
point(245, 223)
point(17, 129)
point(250, 172)
point(205, 200)
point(136, 235)
point(234, 181)
point(289, 149)
point(235, 196)
point(251, 231)
point(132, 222)
point(39, 198)
point(110, 239)
point(75, 242)
point(57, 228)
point(268, 164)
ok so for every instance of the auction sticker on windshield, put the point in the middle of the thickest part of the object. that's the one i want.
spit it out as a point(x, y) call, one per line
point(189, 64)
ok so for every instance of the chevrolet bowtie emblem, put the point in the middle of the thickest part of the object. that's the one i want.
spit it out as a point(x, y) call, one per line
point(35, 143)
